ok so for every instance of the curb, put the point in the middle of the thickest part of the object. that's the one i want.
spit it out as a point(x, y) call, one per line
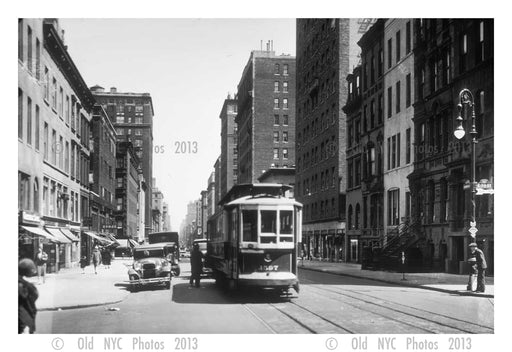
point(49, 309)
point(460, 293)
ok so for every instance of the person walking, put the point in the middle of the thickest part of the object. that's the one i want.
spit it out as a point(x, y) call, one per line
point(83, 263)
point(478, 265)
point(106, 257)
point(41, 260)
point(96, 258)
point(27, 296)
point(196, 263)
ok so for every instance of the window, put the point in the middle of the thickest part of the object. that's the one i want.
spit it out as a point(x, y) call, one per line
point(66, 159)
point(389, 153)
point(357, 172)
point(398, 43)
point(481, 42)
point(408, 37)
point(285, 69)
point(393, 207)
point(285, 153)
point(380, 64)
point(36, 195)
point(66, 113)
point(61, 102)
point(59, 151)
point(250, 225)
point(408, 146)
point(371, 161)
point(276, 120)
point(285, 120)
point(119, 119)
point(285, 136)
point(276, 69)
point(45, 141)
point(23, 191)
point(20, 114)
point(54, 94)
point(29, 120)
point(285, 103)
point(393, 152)
point(276, 136)
point(29, 48)
point(408, 90)
point(398, 150)
point(285, 226)
point(38, 59)
point(397, 97)
point(37, 128)
point(276, 103)
point(380, 109)
point(463, 48)
point(20, 39)
point(139, 120)
point(276, 153)
point(447, 67)
point(390, 102)
point(349, 217)
point(47, 84)
point(54, 147)
point(285, 87)
point(350, 173)
point(372, 113)
point(390, 52)
point(276, 87)
point(138, 143)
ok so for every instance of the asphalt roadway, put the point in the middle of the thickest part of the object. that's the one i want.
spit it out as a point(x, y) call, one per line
point(327, 303)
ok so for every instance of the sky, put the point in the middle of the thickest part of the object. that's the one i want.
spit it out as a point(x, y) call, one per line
point(188, 66)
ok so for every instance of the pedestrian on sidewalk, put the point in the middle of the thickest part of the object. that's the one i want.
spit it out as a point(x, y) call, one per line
point(196, 263)
point(478, 265)
point(83, 263)
point(27, 296)
point(96, 258)
point(106, 257)
point(41, 260)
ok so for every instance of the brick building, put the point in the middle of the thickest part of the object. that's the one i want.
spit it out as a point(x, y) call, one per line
point(326, 52)
point(266, 115)
point(132, 117)
point(102, 173)
point(54, 112)
point(229, 152)
point(450, 55)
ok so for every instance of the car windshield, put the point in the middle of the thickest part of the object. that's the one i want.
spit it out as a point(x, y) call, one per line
point(148, 253)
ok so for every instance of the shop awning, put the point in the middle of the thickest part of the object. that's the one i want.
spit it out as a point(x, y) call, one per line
point(58, 235)
point(126, 243)
point(96, 237)
point(40, 232)
point(70, 235)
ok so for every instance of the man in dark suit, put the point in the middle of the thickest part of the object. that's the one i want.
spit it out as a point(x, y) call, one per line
point(478, 263)
point(196, 263)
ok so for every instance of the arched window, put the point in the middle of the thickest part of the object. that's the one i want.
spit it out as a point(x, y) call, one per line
point(356, 218)
point(349, 218)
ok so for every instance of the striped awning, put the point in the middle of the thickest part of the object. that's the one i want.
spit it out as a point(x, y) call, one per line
point(70, 235)
point(40, 232)
point(58, 235)
point(96, 237)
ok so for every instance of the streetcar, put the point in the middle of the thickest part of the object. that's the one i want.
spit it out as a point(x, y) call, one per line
point(254, 241)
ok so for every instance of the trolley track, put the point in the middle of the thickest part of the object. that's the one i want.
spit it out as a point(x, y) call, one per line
point(381, 305)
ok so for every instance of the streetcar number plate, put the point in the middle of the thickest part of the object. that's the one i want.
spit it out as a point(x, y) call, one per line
point(269, 267)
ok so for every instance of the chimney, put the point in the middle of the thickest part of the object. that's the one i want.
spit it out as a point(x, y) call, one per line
point(113, 90)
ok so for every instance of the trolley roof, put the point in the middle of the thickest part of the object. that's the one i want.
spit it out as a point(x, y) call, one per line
point(253, 190)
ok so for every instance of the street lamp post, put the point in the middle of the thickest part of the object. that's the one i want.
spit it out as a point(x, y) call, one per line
point(466, 100)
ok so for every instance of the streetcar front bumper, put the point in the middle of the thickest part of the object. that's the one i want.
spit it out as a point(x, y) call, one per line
point(268, 279)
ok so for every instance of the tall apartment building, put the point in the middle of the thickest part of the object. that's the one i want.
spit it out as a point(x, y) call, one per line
point(132, 116)
point(450, 55)
point(102, 173)
point(228, 146)
point(398, 123)
point(326, 52)
point(266, 115)
point(127, 192)
point(54, 112)
point(157, 208)
point(166, 217)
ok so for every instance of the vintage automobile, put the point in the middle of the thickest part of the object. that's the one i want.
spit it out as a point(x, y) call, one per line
point(153, 264)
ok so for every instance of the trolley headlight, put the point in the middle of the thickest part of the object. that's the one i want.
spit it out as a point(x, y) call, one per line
point(137, 266)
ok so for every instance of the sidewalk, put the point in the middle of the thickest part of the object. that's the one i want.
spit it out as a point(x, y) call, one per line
point(71, 289)
point(443, 282)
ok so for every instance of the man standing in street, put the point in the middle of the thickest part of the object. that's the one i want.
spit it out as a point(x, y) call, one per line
point(477, 266)
point(96, 258)
point(41, 259)
point(196, 263)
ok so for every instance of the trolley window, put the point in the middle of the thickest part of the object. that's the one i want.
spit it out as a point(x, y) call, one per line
point(268, 226)
point(286, 226)
point(250, 225)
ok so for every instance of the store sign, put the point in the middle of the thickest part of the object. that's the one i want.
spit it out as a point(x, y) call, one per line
point(484, 187)
point(30, 218)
